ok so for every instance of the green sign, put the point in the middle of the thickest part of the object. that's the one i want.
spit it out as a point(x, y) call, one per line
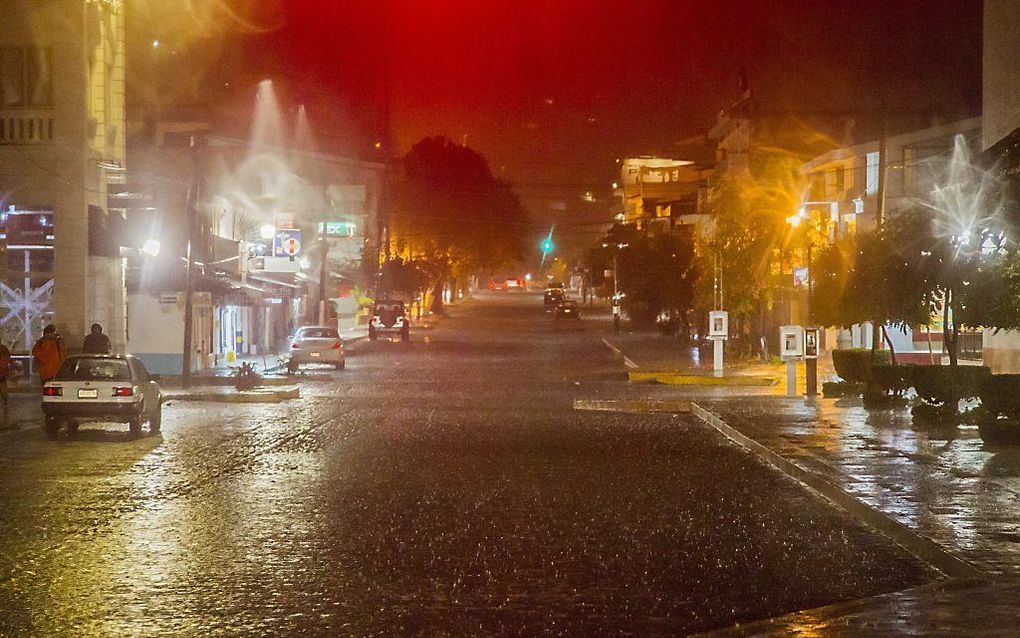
point(337, 229)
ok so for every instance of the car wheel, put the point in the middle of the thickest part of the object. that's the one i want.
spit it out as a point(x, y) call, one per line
point(292, 367)
point(341, 365)
point(156, 421)
point(135, 425)
point(52, 427)
point(371, 334)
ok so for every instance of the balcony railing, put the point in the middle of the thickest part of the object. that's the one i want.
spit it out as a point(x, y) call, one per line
point(26, 127)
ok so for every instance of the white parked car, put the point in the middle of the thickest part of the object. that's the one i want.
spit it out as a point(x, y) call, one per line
point(102, 387)
point(316, 344)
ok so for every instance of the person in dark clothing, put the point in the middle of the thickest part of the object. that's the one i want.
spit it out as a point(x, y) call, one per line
point(96, 342)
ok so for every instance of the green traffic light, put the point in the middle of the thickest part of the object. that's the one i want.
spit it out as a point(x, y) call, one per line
point(547, 245)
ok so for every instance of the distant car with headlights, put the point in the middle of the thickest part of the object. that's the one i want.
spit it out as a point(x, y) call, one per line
point(389, 318)
point(316, 344)
point(553, 298)
point(568, 309)
point(102, 388)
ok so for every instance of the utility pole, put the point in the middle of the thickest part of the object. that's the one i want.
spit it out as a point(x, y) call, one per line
point(323, 269)
point(616, 295)
point(810, 363)
point(194, 199)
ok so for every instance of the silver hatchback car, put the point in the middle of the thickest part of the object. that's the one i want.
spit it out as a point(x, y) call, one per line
point(316, 344)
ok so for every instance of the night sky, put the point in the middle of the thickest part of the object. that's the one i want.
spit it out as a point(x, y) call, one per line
point(553, 91)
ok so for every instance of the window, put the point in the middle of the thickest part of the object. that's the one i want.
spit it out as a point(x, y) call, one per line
point(26, 77)
point(840, 177)
point(12, 77)
point(318, 333)
point(87, 369)
point(871, 174)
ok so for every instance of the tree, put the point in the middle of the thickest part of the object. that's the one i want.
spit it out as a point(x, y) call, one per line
point(657, 274)
point(749, 239)
point(450, 210)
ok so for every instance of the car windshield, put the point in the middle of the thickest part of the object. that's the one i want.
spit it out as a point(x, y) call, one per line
point(569, 304)
point(390, 307)
point(318, 333)
point(555, 284)
point(86, 369)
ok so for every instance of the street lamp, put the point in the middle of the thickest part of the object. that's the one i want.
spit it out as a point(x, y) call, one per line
point(617, 295)
point(151, 247)
point(267, 231)
point(810, 363)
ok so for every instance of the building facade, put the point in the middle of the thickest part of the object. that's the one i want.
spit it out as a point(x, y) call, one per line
point(1001, 138)
point(61, 147)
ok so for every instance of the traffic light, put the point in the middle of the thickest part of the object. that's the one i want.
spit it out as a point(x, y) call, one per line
point(547, 245)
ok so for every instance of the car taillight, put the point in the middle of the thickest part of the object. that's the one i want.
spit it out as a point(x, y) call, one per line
point(338, 345)
point(53, 391)
point(294, 346)
point(123, 392)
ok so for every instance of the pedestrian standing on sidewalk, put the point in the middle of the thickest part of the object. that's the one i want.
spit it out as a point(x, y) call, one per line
point(49, 353)
point(96, 342)
point(5, 375)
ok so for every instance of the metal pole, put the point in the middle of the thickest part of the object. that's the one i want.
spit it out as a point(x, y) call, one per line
point(811, 363)
point(193, 204)
point(323, 272)
point(616, 296)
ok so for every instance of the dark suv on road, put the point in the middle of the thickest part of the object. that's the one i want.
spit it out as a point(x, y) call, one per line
point(389, 317)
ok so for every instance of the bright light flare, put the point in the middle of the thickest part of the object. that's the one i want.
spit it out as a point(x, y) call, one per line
point(267, 231)
point(151, 247)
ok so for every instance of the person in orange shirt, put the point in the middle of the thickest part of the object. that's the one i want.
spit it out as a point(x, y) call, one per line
point(49, 352)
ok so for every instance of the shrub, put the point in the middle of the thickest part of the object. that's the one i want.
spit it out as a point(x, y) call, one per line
point(1000, 396)
point(885, 385)
point(853, 364)
point(839, 389)
point(940, 388)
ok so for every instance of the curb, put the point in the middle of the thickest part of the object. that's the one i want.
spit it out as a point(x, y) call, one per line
point(632, 406)
point(923, 548)
point(626, 360)
point(253, 396)
point(673, 378)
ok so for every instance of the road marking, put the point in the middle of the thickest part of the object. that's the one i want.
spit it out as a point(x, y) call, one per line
point(626, 360)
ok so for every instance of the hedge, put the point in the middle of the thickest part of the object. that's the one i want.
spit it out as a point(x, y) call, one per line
point(1000, 409)
point(940, 388)
point(853, 364)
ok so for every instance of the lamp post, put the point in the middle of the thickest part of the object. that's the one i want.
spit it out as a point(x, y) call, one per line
point(810, 360)
point(616, 287)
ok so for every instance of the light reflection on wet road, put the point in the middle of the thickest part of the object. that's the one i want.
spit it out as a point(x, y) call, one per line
point(433, 487)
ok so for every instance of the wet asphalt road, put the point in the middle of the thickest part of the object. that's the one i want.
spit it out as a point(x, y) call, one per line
point(444, 486)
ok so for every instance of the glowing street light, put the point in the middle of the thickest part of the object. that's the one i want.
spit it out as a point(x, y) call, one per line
point(151, 247)
point(266, 231)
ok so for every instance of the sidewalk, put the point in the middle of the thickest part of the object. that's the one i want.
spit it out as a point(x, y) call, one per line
point(944, 486)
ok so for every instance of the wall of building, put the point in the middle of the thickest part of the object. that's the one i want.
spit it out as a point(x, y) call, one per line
point(54, 155)
point(1001, 72)
point(156, 331)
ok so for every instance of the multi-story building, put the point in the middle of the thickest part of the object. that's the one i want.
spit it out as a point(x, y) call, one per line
point(1001, 138)
point(252, 198)
point(61, 147)
point(659, 193)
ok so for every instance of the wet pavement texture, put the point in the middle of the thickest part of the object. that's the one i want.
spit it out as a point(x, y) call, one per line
point(444, 486)
point(945, 484)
